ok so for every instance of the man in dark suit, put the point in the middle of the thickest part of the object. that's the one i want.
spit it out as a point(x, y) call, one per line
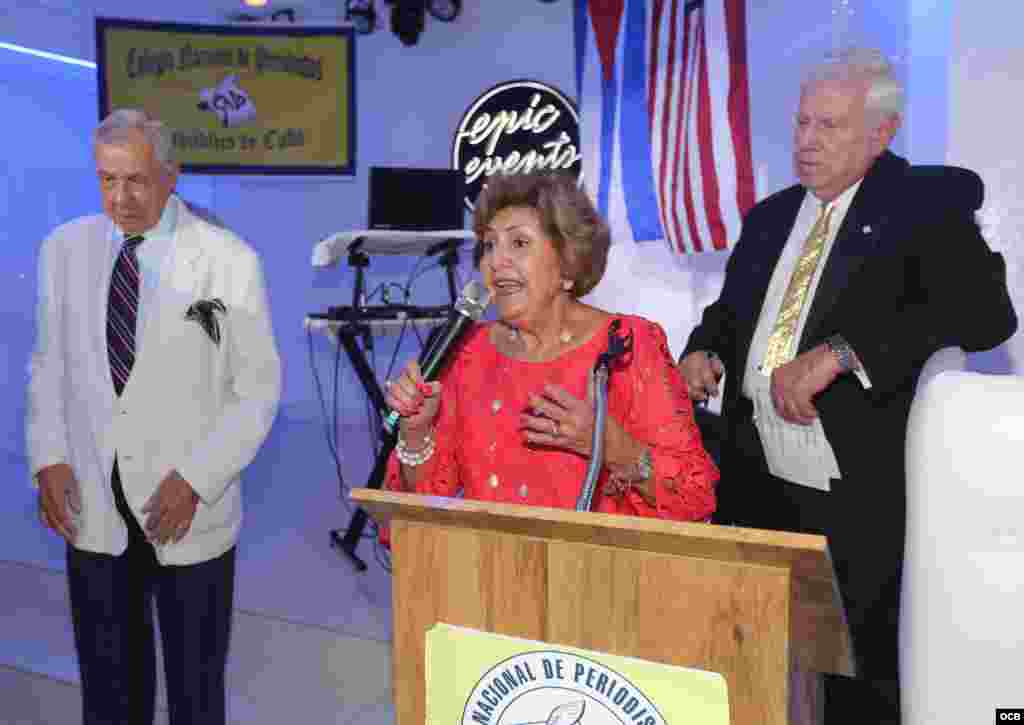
point(837, 292)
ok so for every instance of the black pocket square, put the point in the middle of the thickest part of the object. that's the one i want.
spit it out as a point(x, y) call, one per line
point(203, 312)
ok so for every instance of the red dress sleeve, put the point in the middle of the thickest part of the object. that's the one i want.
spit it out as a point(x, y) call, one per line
point(651, 404)
point(438, 476)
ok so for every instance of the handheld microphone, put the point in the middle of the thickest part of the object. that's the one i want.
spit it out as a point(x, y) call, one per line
point(468, 308)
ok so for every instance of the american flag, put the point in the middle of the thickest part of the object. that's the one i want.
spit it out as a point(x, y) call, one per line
point(665, 118)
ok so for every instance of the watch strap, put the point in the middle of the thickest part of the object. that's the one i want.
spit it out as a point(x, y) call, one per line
point(843, 352)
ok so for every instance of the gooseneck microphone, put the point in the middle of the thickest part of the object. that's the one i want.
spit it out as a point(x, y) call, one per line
point(468, 308)
point(617, 347)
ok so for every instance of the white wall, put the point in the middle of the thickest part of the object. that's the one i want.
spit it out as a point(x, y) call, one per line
point(46, 177)
point(986, 68)
point(926, 126)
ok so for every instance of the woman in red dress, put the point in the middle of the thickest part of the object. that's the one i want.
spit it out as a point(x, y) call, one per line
point(511, 418)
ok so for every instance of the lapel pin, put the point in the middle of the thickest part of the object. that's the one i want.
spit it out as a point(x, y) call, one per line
point(866, 229)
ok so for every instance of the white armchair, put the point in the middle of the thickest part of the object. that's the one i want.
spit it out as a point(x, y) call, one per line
point(962, 623)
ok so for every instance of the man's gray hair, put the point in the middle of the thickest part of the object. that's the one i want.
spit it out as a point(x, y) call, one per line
point(117, 128)
point(886, 95)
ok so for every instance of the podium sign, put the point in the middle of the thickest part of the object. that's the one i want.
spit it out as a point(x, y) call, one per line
point(480, 678)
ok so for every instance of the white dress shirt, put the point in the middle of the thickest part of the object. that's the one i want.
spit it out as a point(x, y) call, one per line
point(797, 453)
point(151, 255)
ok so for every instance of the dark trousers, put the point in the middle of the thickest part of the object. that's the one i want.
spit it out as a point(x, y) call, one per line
point(112, 612)
point(750, 496)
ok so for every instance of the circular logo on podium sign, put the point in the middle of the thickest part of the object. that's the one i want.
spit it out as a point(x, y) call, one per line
point(516, 127)
point(552, 687)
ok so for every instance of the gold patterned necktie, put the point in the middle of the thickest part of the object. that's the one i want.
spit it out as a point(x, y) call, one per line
point(781, 342)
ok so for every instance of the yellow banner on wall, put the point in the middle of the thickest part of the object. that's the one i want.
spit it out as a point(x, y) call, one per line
point(239, 99)
point(478, 678)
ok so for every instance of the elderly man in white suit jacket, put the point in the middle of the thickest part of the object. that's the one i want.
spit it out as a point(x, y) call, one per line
point(142, 478)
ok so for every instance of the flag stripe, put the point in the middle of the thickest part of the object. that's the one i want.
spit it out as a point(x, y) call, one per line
point(675, 120)
point(589, 94)
point(728, 217)
point(642, 206)
point(669, 90)
point(739, 103)
point(653, 59)
point(706, 151)
point(678, 118)
point(606, 28)
point(691, 190)
point(581, 21)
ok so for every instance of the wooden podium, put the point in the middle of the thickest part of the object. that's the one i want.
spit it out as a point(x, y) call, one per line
point(759, 607)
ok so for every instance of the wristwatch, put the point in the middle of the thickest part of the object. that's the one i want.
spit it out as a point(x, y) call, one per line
point(843, 351)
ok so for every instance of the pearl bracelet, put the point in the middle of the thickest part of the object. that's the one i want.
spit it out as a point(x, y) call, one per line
point(418, 456)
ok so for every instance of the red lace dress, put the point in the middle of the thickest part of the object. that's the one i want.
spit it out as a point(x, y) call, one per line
point(481, 451)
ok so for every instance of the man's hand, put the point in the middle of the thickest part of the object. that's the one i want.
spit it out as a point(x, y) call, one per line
point(59, 493)
point(170, 509)
point(701, 372)
point(795, 384)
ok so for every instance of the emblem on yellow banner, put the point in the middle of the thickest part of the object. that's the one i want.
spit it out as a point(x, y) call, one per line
point(481, 678)
point(552, 687)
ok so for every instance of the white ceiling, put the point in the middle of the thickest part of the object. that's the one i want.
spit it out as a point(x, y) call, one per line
point(309, 11)
point(67, 26)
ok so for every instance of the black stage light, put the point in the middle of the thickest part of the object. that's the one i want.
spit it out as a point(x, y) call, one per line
point(362, 15)
point(407, 20)
point(444, 10)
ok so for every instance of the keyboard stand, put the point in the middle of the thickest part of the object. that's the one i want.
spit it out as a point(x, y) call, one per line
point(347, 334)
point(347, 338)
point(450, 260)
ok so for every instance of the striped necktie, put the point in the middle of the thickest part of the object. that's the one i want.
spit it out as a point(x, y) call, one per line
point(781, 342)
point(122, 311)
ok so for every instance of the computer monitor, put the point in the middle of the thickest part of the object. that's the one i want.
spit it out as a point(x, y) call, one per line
point(419, 200)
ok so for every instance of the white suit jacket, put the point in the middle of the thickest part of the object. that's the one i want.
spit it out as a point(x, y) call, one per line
point(190, 404)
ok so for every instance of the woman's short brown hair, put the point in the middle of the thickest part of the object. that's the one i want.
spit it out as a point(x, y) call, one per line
point(579, 234)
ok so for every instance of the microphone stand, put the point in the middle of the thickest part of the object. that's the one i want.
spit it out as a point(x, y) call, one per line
point(617, 346)
point(583, 502)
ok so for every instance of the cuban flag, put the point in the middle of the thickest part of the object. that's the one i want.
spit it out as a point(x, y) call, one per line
point(665, 118)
